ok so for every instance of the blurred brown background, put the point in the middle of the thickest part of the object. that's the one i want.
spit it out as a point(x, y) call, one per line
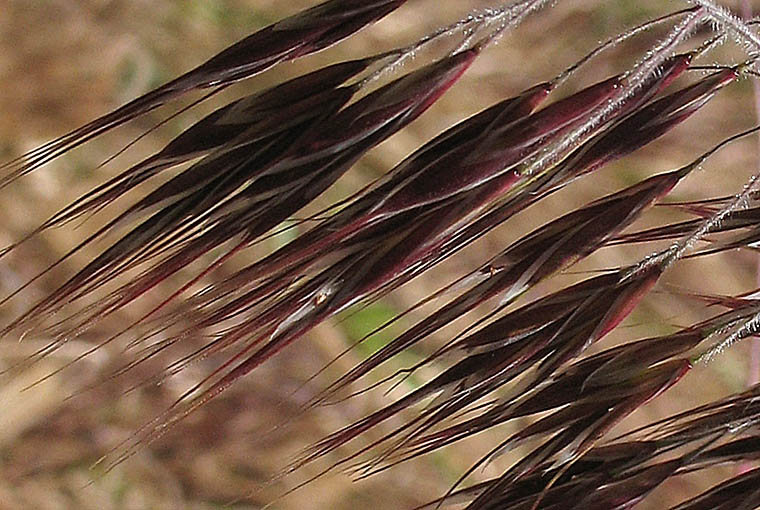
point(64, 62)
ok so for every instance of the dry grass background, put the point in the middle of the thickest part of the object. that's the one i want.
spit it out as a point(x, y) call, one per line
point(64, 62)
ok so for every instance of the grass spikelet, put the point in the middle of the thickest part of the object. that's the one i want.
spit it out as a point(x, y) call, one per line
point(293, 37)
point(282, 215)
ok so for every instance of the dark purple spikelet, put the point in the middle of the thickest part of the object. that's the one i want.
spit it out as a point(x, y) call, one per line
point(560, 242)
point(646, 124)
point(301, 34)
point(315, 159)
point(739, 492)
point(197, 216)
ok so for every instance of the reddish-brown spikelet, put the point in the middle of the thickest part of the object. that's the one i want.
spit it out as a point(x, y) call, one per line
point(261, 159)
point(301, 34)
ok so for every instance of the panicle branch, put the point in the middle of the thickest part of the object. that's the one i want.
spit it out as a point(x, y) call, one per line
point(263, 158)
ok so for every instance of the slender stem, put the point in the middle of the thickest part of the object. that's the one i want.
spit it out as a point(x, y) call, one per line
point(677, 250)
point(509, 14)
point(635, 79)
point(753, 370)
point(751, 327)
point(614, 41)
point(724, 18)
